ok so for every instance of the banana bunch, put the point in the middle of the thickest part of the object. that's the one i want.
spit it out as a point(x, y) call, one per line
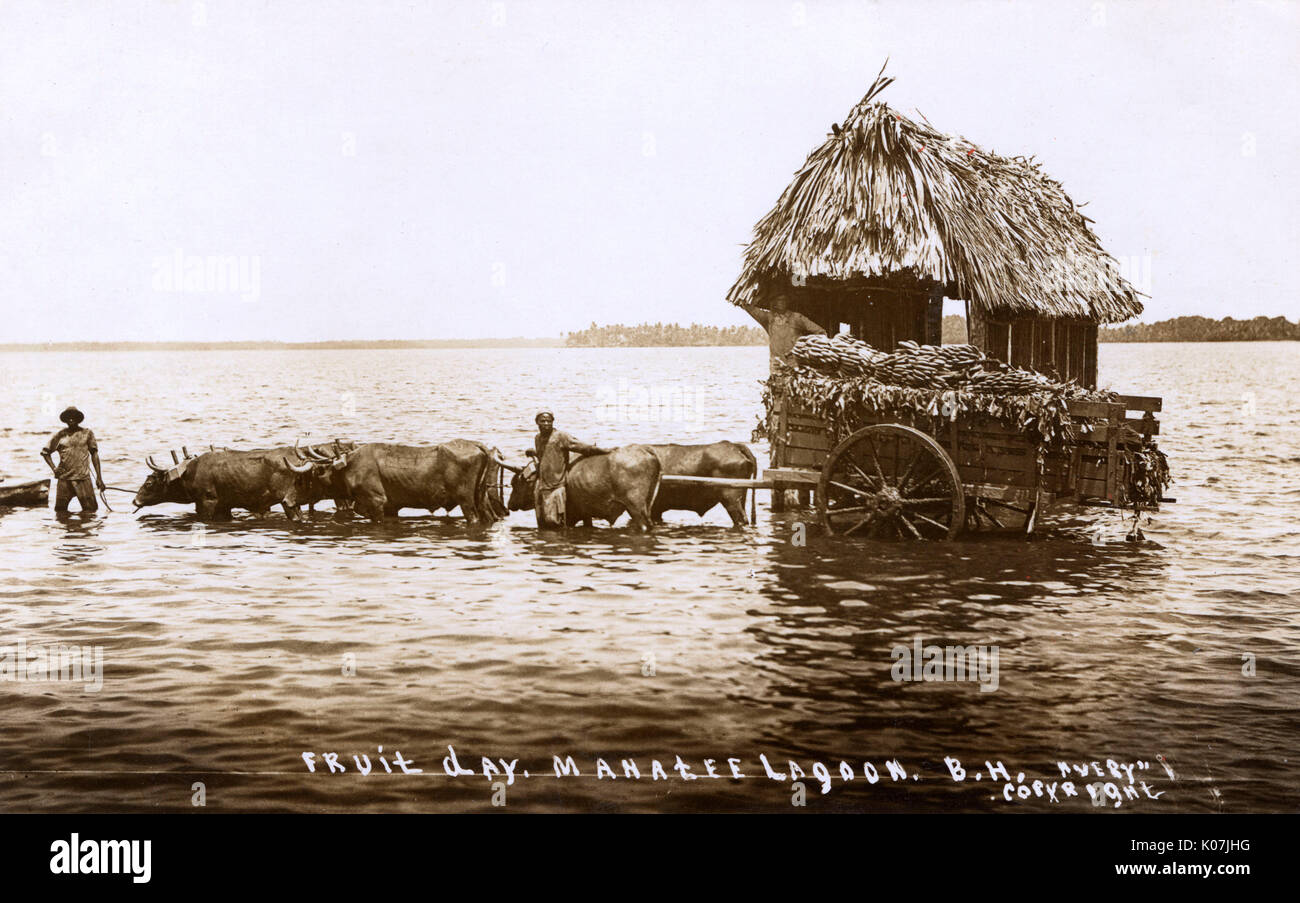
point(918, 366)
point(816, 351)
point(1012, 381)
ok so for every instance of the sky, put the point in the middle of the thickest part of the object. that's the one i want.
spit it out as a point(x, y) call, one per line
point(303, 171)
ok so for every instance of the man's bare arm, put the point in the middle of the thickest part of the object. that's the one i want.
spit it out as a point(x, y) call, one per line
point(48, 453)
point(810, 326)
point(764, 317)
point(99, 474)
point(582, 448)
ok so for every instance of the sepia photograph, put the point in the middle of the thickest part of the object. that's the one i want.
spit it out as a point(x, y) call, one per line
point(483, 407)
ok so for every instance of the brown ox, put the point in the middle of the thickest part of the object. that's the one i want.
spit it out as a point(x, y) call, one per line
point(599, 486)
point(720, 459)
point(380, 478)
point(217, 482)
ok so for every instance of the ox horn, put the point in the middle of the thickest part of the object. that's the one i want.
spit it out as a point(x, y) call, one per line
point(297, 468)
point(307, 453)
point(154, 467)
point(510, 467)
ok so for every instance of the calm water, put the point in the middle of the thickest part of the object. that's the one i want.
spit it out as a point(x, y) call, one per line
point(224, 650)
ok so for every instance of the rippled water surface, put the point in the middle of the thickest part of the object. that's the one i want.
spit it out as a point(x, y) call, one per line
point(225, 649)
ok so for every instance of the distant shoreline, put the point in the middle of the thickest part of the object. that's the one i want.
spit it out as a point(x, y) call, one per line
point(1203, 329)
point(396, 345)
point(357, 345)
point(951, 336)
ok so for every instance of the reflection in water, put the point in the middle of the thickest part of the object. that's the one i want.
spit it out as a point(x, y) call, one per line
point(840, 607)
point(72, 546)
point(229, 649)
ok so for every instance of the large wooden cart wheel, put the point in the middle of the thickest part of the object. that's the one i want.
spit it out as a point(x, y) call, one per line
point(890, 481)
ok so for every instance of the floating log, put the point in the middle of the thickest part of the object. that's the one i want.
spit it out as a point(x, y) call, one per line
point(35, 494)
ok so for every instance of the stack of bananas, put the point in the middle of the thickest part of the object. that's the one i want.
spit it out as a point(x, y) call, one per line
point(918, 366)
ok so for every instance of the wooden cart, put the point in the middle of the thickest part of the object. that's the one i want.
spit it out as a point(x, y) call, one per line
point(928, 477)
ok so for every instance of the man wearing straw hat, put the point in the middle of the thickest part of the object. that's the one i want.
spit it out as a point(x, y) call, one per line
point(77, 451)
point(551, 451)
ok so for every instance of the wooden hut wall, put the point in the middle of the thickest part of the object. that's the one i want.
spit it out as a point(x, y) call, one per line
point(1090, 354)
point(1022, 343)
point(934, 319)
point(1067, 347)
point(881, 318)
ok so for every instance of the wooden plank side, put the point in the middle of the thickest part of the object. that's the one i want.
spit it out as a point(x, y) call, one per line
point(804, 457)
point(1151, 403)
point(820, 440)
point(1112, 459)
point(987, 424)
point(805, 419)
point(1125, 435)
point(992, 433)
point(1091, 489)
point(1002, 445)
point(1099, 409)
point(1005, 493)
point(1146, 427)
point(1021, 463)
point(996, 476)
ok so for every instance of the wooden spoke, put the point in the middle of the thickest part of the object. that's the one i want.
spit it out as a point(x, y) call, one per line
point(852, 509)
point(929, 478)
point(921, 517)
point(858, 492)
point(854, 464)
point(902, 481)
point(876, 460)
point(1002, 504)
point(990, 516)
point(920, 476)
point(866, 520)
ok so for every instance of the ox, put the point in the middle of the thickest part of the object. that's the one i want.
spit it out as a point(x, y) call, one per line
point(217, 482)
point(603, 486)
point(379, 479)
point(720, 459)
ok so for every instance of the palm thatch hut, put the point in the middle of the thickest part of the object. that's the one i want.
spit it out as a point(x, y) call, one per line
point(889, 216)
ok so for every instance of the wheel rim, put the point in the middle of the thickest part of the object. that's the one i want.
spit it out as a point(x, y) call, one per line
point(890, 481)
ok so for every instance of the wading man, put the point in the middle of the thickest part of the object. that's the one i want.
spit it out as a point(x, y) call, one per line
point(784, 327)
point(551, 450)
point(77, 452)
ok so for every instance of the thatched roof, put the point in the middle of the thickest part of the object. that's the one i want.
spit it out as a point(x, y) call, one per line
point(884, 196)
